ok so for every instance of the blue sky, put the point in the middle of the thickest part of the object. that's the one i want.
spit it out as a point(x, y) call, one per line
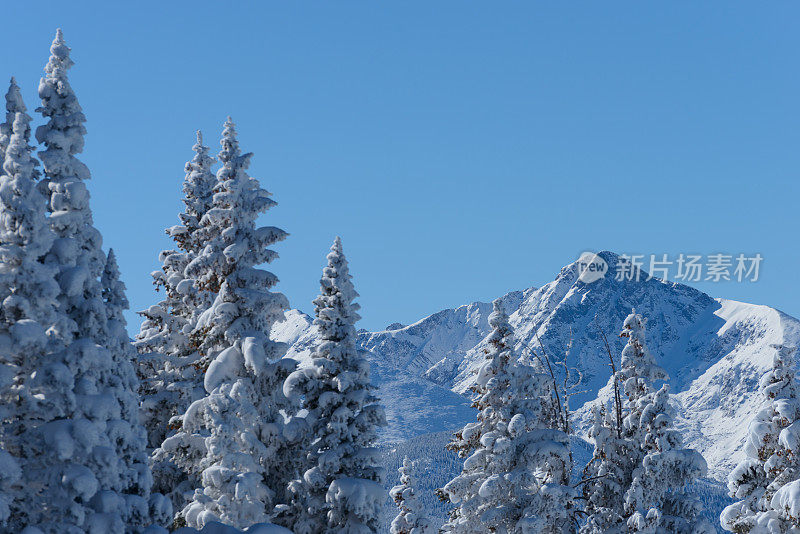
point(461, 149)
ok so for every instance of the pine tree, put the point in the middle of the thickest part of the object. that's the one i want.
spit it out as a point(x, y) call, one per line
point(29, 320)
point(78, 249)
point(637, 374)
point(637, 478)
point(608, 474)
point(411, 518)
point(13, 105)
point(198, 189)
point(138, 476)
point(657, 495)
point(220, 227)
point(91, 424)
point(618, 455)
point(766, 481)
point(655, 500)
point(239, 420)
point(340, 489)
point(516, 473)
point(618, 436)
point(171, 378)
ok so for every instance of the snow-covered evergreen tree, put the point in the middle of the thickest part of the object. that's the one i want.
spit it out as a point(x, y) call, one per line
point(766, 481)
point(78, 248)
point(608, 474)
point(516, 473)
point(618, 437)
point(636, 479)
point(13, 103)
point(217, 227)
point(164, 338)
point(132, 451)
point(171, 378)
point(340, 489)
point(658, 497)
point(198, 189)
point(239, 421)
point(638, 372)
point(88, 443)
point(411, 518)
point(29, 320)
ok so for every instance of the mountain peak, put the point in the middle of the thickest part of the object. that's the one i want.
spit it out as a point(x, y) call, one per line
point(714, 351)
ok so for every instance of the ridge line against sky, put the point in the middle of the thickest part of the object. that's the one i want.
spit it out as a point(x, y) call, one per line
point(465, 152)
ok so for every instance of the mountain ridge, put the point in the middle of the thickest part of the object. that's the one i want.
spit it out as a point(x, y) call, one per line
point(715, 350)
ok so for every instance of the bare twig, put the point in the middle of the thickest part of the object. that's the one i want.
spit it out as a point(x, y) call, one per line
point(617, 397)
point(585, 480)
point(555, 384)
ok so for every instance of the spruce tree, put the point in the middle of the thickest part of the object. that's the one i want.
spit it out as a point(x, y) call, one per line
point(340, 489)
point(658, 497)
point(637, 374)
point(766, 481)
point(516, 473)
point(637, 478)
point(131, 451)
point(411, 518)
point(618, 437)
point(170, 366)
point(29, 327)
point(13, 101)
point(92, 424)
point(239, 421)
point(171, 377)
point(608, 474)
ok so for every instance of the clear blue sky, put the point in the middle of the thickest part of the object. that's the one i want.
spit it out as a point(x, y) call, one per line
point(461, 149)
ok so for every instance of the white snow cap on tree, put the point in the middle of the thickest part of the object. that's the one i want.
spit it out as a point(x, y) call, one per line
point(516, 473)
point(340, 489)
point(411, 518)
point(241, 419)
point(766, 483)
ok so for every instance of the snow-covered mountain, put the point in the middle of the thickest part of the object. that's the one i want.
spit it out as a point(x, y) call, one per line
point(714, 350)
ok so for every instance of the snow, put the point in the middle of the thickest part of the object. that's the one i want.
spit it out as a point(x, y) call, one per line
point(225, 367)
point(715, 350)
point(215, 527)
point(411, 518)
point(787, 499)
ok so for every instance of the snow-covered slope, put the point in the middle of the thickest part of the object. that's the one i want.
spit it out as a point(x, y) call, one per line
point(714, 350)
point(414, 405)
